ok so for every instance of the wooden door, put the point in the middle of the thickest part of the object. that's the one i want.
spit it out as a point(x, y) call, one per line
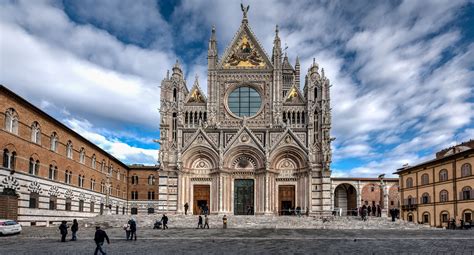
point(286, 198)
point(202, 195)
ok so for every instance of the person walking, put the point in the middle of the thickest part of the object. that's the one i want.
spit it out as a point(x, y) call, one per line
point(74, 229)
point(186, 207)
point(126, 227)
point(199, 222)
point(224, 221)
point(63, 230)
point(133, 229)
point(164, 219)
point(99, 238)
point(206, 222)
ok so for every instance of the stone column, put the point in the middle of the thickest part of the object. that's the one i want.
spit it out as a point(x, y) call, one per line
point(181, 191)
point(359, 195)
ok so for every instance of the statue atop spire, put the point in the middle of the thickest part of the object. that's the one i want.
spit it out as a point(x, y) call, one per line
point(244, 10)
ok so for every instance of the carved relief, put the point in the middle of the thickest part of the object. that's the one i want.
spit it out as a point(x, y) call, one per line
point(35, 187)
point(69, 194)
point(10, 182)
point(54, 191)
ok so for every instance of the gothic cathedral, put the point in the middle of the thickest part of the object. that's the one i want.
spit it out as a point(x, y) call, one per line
point(255, 143)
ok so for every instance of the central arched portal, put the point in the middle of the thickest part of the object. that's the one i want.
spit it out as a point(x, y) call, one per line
point(244, 196)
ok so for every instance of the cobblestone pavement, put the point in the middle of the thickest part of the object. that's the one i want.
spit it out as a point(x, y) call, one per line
point(41, 240)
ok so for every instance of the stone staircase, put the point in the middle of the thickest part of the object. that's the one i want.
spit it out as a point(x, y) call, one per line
point(256, 222)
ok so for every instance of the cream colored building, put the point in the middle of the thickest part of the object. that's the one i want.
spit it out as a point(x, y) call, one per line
point(438, 190)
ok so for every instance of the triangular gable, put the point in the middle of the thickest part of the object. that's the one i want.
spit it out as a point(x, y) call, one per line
point(200, 138)
point(294, 96)
point(289, 138)
point(196, 96)
point(244, 137)
point(245, 51)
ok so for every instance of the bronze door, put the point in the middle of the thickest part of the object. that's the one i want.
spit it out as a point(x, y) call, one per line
point(243, 197)
point(286, 199)
point(202, 194)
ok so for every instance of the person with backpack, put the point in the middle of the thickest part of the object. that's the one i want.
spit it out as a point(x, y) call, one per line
point(74, 229)
point(126, 227)
point(63, 230)
point(133, 229)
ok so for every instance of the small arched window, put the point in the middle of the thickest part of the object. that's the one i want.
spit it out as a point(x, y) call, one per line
point(67, 177)
point(151, 179)
point(36, 133)
point(34, 167)
point(443, 196)
point(466, 170)
point(53, 171)
point(425, 198)
point(80, 181)
point(11, 121)
point(93, 161)
point(315, 93)
point(443, 175)
point(426, 218)
point(409, 182)
point(102, 187)
point(9, 159)
point(82, 155)
point(175, 95)
point(54, 141)
point(425, 179)
point(69, 149)
point(467, 193)
point(135, 179)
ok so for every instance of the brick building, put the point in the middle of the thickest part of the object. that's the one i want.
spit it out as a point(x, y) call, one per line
point(441, 189)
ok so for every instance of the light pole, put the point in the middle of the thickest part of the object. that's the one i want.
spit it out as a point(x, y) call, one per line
point(383, 195)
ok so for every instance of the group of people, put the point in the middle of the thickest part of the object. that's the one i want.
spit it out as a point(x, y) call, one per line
point(63, 230)
point(99, 237)
point(365, 211)
point(161, 224)
point(206, 222)
point(130, 229)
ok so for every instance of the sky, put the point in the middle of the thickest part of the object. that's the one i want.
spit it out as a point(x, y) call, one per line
point(402, 72)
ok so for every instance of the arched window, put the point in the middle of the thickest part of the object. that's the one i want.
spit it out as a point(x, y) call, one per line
point(118, 174)
point(467, 193)
point(134, 195)
point(444, 215)
point(92, 184)
point(82, 155)
point(11, 121)
point(68, 204)
point(151, 179)
point(409, 182)
point(92, 206)
point(9, 159)
point(426, 218)
point(467, 215)
point(425, 179)
point(80, 181)
point(466, 170)
point(315, 93)
point(410, 200)
point(81, 205)
point(34, 167)
point(53, 171)
point(54, 141)
point(175, 95)
point(425, 198)
point(151, 195)
point(135, 179)
point(93, 162)
point(443, 196)
point(69, 149)
point(443, 175)
point(102, 187)
point(67, 177)
point(34, 199)
point(36, 133)
point(102, 167)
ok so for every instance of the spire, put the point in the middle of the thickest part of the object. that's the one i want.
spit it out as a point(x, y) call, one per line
point(297, 71)
point(212, 50)
point(244, 12)
point(177, 69)
point(276, 57)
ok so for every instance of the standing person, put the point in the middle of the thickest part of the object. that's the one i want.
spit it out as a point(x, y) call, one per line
point(74, 229)
point(379, 211)
point(133, 229)
point(164, 219)
point(63, 230)
point(199, 222)
point(99, 238)
point(369, 210)
point(186, 207)
point(206, 222)
point(126, 227)
point(224, 221)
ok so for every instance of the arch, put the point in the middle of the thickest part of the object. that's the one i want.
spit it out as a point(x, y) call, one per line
point(443, 196)
point(425, 218)
point(193, 156)
point(394, 197)
point(467, 215)
point(409, 183)
point(54, 141)
point(466, 193)
point(425, 198)
point(290, 152)
point(371, 195)
point(11, 121)
point(410, 217)
point(69, 149)
point(345, 198)
point(36, 132)
point(444, 217)
point(425, 179)
point(244, 157)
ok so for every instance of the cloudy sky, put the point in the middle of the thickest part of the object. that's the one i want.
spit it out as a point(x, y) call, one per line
point(402, 71)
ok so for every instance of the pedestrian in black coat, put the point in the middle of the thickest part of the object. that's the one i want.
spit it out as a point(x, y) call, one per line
point(74, 229)
point(99, 238)
point(164, 219)
point(63, 230)
point(133, 229)
point(199, 222)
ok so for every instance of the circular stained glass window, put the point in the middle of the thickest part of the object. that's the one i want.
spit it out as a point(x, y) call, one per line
point(244, 101)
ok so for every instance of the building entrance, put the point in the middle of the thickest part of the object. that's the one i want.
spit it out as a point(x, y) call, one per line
point(286, 198)
point(201, 203)
point(243, 197)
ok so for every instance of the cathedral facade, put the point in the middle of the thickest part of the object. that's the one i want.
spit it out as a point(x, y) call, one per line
point(255, 143)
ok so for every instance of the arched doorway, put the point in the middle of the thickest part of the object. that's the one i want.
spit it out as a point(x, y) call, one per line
point(345, 198)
